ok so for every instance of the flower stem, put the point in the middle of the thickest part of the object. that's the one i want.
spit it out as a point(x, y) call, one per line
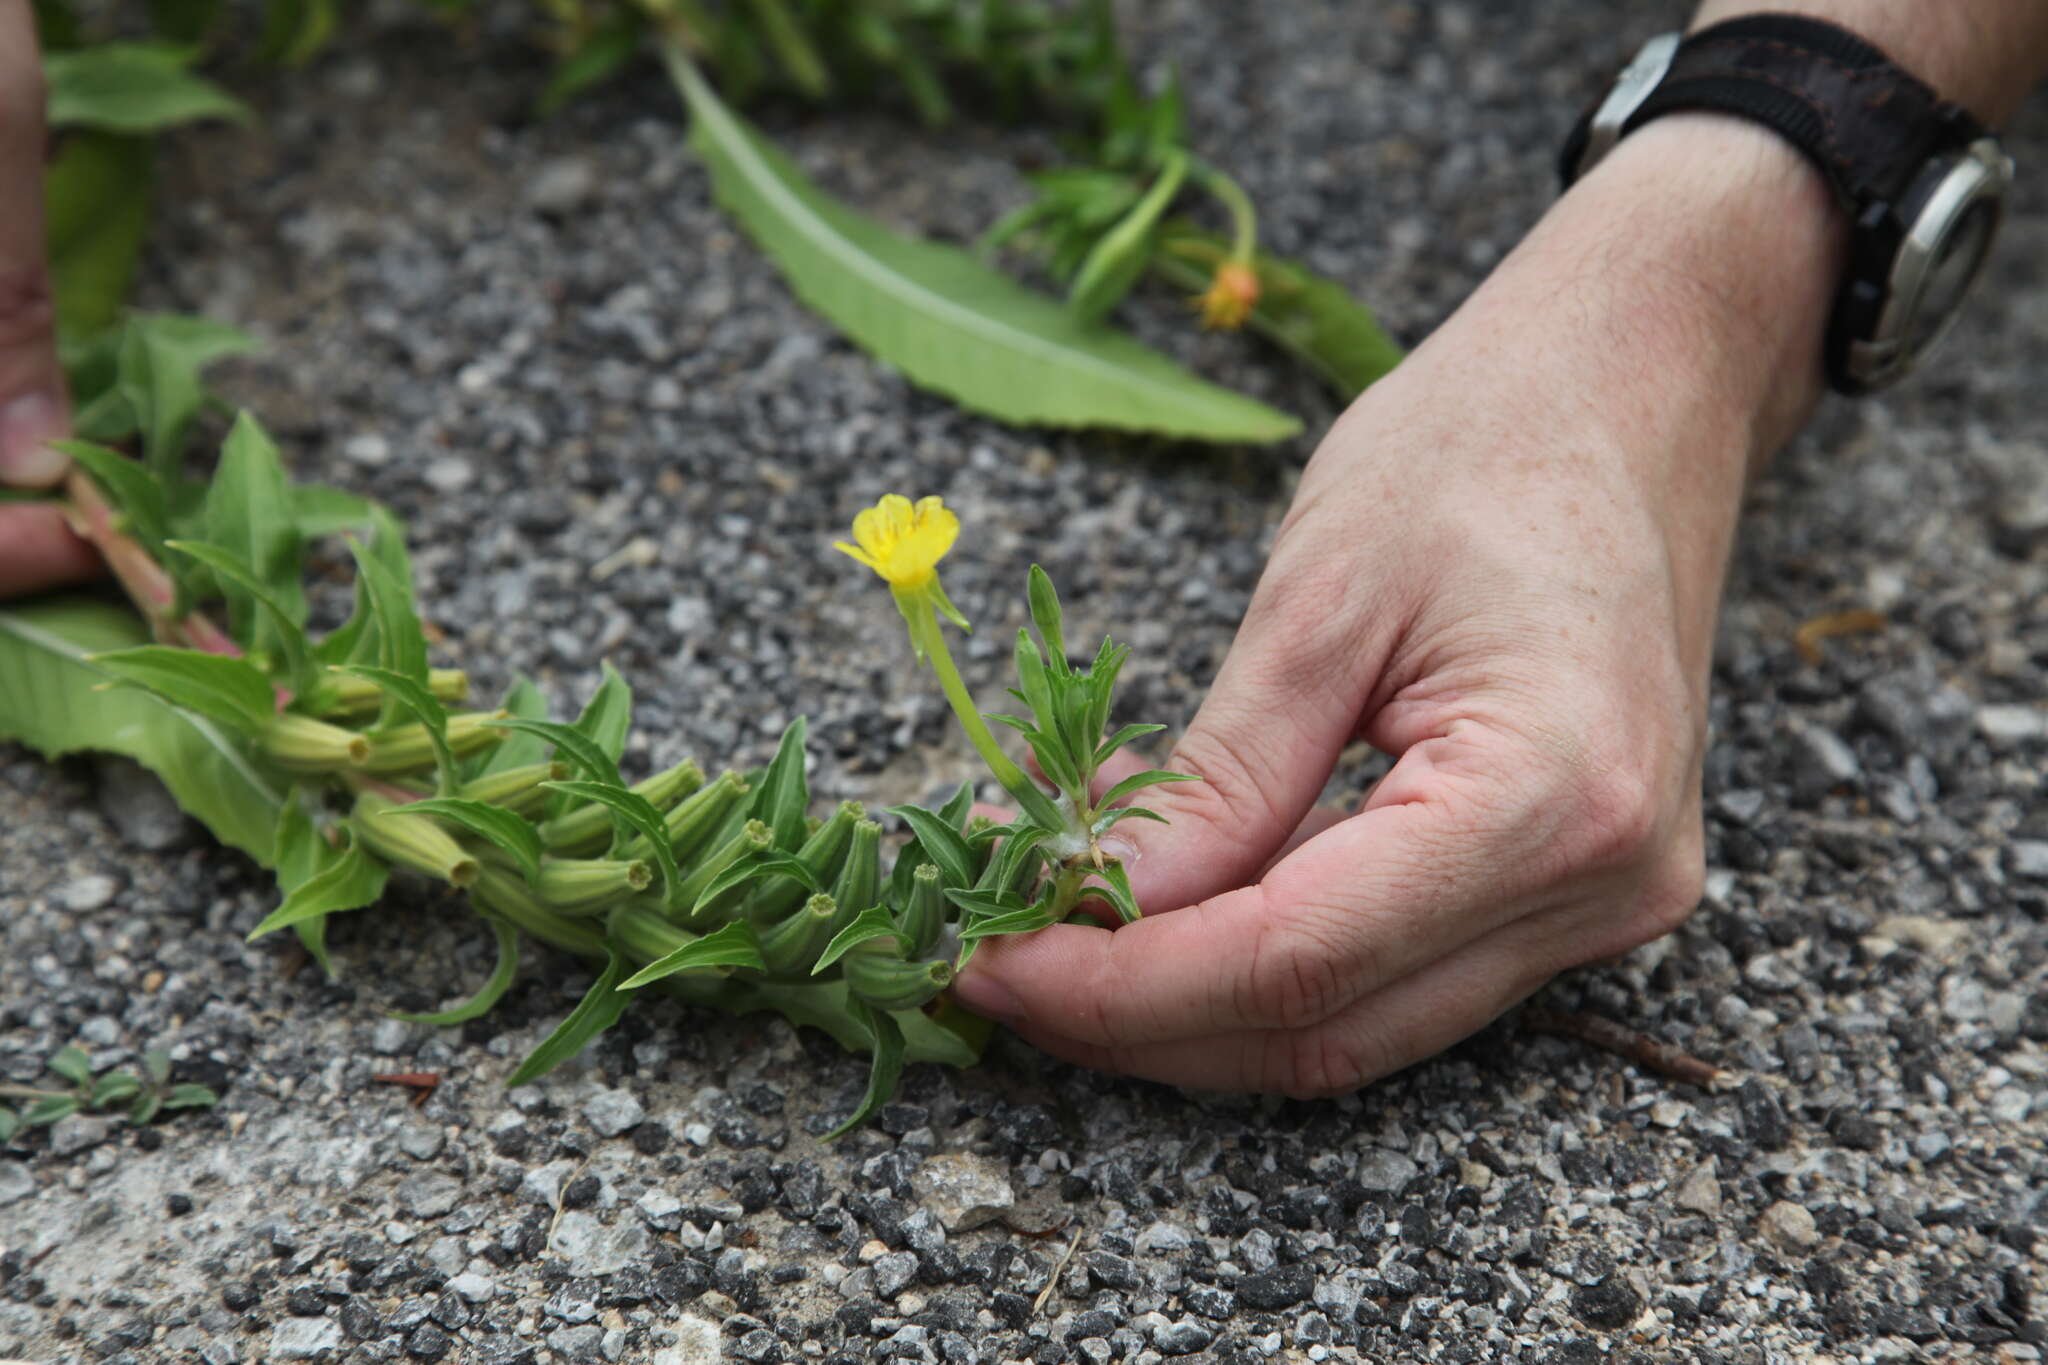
point(1244, 219)
point(141, 577)
point(927, 635)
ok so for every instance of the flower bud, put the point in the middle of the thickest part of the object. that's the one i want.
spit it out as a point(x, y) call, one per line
point(518, 790)
point(409, 841)
point(587, 829)
point(585, 886)
point(822, 853)
point(754, 837)
point(408, 748)
point(692, 824)
point(875, 973)
point(924, 913)
point(792, 944)
point(344, 694)
point(300, 744)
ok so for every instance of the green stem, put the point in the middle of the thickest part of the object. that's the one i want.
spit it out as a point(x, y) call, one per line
point(29, 1092)
point(1244, 219)
point(928, 636)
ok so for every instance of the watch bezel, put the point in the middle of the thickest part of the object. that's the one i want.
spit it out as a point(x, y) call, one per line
point(1980, 174)
point(1643, 74)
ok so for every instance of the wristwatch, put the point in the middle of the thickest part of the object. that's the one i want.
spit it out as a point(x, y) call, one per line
point(1924, 183)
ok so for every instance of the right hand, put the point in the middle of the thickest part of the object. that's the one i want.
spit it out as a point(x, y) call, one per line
point(37, 549)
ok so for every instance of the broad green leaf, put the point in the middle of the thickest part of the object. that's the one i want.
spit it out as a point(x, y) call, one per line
point(248, 512)
point(599, 1009)
point(499, 826)
point(489, 994)
point(289, 635)
point(352, 880)
point(637, 813)
point(873, 922)
point(321, 510)
point(10, 1124)
point(160, 362)
point(1137, 782)
point(945, 319)
point(941, 842)
point(96, 212)
point(782, 794)
point(50, 1109)
point(132, 88)
point(735, 945)
point(417, 700)
point(1314, 318)
point(72, 1063)
point(190, 1096)
point(114, 1088)
point(606, 718)
point(886, 1037)
point(229, 690)
point(48, 701)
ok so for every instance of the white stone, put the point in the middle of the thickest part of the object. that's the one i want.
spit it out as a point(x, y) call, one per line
point(473, 1287)
point(591, 1248)
point(1790, 1226)
point(90, 892)
point(15, 1182)
point(1385, 1171)
point(964, 1190)
point(613, 1112)
point(1701, 1190)
point(305, 1339)
point(2008, 727)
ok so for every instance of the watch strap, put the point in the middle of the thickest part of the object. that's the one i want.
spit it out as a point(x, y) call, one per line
point(1868, 124)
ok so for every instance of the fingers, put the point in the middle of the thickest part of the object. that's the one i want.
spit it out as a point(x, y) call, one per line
point(1376, 1036)
point(1359, 906)
point(38, 551)
point(33, 409)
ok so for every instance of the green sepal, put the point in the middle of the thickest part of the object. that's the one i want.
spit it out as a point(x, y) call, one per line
point(924, 909)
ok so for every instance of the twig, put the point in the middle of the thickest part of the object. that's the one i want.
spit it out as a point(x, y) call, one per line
point(1860, 621)
point(421, 1083)
point(1640, 1048)
point(141, 577)
point(1053, 1280)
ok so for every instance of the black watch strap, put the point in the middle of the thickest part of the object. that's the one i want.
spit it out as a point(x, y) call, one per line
point(1868, 124)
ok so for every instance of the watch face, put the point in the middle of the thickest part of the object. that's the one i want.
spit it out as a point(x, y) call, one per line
point(1951, 271)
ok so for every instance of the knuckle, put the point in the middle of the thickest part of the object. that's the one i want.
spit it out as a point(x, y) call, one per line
point(1616, 817)
point(1319, 1063)
point(28, 311)
point(1234, 791)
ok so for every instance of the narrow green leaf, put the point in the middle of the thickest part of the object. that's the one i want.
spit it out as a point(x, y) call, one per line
point(736, 945)
point(492, 990)
point(145, 1107)
point(231, 691)
point(759, 868)
point(351, 880)
point(156, 1065)
point(248, 512)
point(639, 815)
point(602, 54)
point(114, 1088)
point(10, 1124)
point(884, 1071)
point(288, 634)
point(1045, 614)
point(1110, 819)
point(50, 1109)
point(1027, 920)
point(72, 1063)
point(492, 823)
point(190, 1096)
point(941, 842)
point(599, 1009)
point(945, 319)
point(1120, 255)
point(1137, 782)
point(873, 922)
point(129, 487)
point(605, 720)
point(400, 644)
point(1118, 892)
point(1123, 737)
point(782, 794)
point(132, 88)
point(571, 744)
point(522, 749)
point(357, 639)
point(792, 46)
point(417, 700)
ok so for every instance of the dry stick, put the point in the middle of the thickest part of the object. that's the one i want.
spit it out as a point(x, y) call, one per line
point(1053, 1281)
point(1639, 1048)
point(141, 577)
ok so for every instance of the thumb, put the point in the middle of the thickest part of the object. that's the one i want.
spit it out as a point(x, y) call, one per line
point(33, 411)
point(1283, 706)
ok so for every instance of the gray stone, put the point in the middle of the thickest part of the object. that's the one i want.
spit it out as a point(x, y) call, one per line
point(579, 1344)
point(1182, 1338)
point(592, 1248)
point(305, 1339)
point(429, 1194)
point(1163, 1238)
point(2027, 859)
point(473, 1287)
point(893, 1273)
point(91, 892)
point(697, 1343)
point(1822, 761)
point(1932, 1145)
point(421, 1141)
point(16, 1182)
point(1789, 1226)
point(76, 1133)
point(137, 804)
point(963, 1190)
point(563, 185)
point(613, 1112)
point(1385, 1171)
point(661, 1209)
point(2009, 727)
point(1701, 1191)
point(2010, 1104)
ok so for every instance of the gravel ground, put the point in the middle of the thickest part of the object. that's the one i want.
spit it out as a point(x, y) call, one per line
point(617, 436)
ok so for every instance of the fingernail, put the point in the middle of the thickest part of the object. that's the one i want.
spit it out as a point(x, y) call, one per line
point(1119, 848)
point(988, 997)
point(27, 426)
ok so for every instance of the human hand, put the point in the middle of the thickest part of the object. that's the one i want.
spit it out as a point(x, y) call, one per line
point(1503, 566)
point(37, 549)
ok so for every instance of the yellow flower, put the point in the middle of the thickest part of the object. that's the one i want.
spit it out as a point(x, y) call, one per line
point(1231, 295)
point(901, 542)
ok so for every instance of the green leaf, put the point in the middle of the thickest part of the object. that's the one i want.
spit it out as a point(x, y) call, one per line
point(294, 31)
point(604, 51)
point(1137, 782)
point(401, 646)
point(1120, 255)
point(72, 1063)
point(10, 1124)
point(289, 635)
point(1314, 318)
point(231, 691)
point(417, 700)
point(599, 1009)
point(1045, 614)
point(96, 213)
point(885, 1070)
point(1123, 737)
point(1118, 892)
point(1110, 819)
point(145, 1107)
point(1027, 920)
point(132, 88)
point(606, 718)
point(130, 488)
point(156, 1064)
point(570, 743)
point(357, 640)
point(638, 814)
point(873, 922)
point(190, 1096)
point(113, 1088)
point(736, 945)
point(49, 1110)
point(941, 843)
point(495, 824)
point(348, 879)
point(492, 990)
point(792, 47)
point(48, 701)
point(945, 319)
point(782, 793)
point(249, 513)
point(160, 361)
point(522, 749)
point(320, 509)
